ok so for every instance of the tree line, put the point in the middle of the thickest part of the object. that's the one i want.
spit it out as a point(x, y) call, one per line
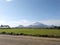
point(7, 26)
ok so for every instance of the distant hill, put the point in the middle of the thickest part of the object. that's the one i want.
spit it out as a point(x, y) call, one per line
point(20, 26)
point(36, 25)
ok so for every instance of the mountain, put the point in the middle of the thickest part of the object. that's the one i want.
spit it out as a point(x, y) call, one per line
point(37, 25)
point(20, 26)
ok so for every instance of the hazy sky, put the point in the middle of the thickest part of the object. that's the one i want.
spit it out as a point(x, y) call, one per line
point(16, 12)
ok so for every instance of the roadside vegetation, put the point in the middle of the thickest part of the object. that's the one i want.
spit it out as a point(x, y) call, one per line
point(54, 33)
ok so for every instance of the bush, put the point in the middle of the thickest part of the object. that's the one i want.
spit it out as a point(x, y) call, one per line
point(21, 33)
point(16, 34)
point(11, 33)
point(3, 32)
point(51, 36)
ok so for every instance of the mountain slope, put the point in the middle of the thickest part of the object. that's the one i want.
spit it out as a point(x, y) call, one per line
point(37, 25)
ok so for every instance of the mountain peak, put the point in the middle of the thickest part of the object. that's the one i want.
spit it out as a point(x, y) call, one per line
point(38, 23)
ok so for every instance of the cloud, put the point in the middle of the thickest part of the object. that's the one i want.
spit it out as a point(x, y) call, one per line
point(51, 22)
point(16, 23)
point(24, 22)
point(9, 0)
point(6, 1)
point(27, 22)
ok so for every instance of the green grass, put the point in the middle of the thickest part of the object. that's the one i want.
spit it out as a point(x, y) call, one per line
point(55, 32)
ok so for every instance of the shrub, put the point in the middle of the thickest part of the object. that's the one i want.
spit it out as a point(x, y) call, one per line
point(51, 36)
point(11, 33)
point(16, 34)
point(3, 32)
point(21, 33)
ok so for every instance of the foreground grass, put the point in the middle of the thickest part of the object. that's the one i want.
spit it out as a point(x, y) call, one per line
point(35, 32)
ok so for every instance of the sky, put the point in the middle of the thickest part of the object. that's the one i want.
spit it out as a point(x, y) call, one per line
point(25, 12)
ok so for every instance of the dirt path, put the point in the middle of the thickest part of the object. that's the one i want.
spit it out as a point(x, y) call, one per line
point(27, 40)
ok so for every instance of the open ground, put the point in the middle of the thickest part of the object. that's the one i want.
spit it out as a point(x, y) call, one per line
point(27, 40)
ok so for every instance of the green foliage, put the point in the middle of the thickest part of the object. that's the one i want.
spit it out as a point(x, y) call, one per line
point(33, 32)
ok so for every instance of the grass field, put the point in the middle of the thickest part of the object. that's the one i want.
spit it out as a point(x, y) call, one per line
point(52, 32)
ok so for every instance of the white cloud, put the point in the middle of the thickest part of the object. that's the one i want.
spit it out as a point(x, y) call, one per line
point(6, 0)
point(51, 22)
point(24, 22)
point(27, 22)
point(16, 23)
point(9, 0)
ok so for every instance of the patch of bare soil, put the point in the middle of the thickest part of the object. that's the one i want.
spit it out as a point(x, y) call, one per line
point(27, 40)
